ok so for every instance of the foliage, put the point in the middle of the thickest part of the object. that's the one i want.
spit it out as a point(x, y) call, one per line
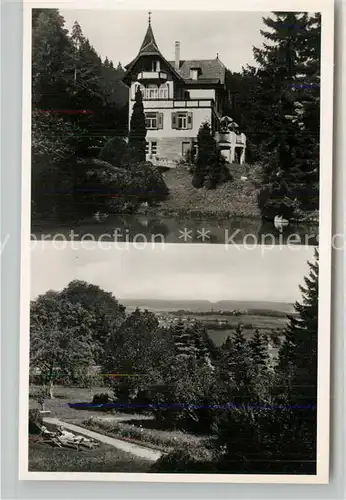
point(139, 350)
point(138, 130)
point(298, 354)
point(160, 438)
point(278, 424)
point(210, 166)
point(277, 106)
point(259, 351)
point(105, 309)
point(73, 114)
point(60, 338)
point(101, 398)
point(186, 460)
point(40, 395)
point(106, 188)
point(114, 151)
point(34, 421)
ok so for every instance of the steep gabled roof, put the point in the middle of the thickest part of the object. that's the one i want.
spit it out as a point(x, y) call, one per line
point(149, 47)
point(212, 70)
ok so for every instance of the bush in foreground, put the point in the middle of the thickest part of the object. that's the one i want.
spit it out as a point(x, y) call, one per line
point(195, 460)
point(35, 421)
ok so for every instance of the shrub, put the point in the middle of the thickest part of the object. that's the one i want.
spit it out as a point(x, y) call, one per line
point(146, 182)
point(197, 181)
point(114, 151)
point(195, 460)
point(35, 421)
point(40, 395)
point(104, 187)
point(102, 398)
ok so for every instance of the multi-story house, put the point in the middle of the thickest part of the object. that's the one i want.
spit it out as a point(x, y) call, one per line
point(178, 96)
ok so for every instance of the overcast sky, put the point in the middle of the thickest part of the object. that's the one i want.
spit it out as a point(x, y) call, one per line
point(119, 34)
point(176, 271)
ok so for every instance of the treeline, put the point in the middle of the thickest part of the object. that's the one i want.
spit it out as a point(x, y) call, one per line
point(80, 127)
point(262, 416)
point(236, 312)
point(277, 105)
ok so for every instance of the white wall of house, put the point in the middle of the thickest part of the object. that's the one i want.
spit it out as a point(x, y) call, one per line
point(166, 109)
point(202, 93)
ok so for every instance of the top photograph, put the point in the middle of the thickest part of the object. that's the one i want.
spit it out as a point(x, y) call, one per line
point(175, 126)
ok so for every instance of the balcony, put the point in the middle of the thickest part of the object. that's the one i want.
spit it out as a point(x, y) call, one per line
point(240, 139)
point(231, 138)
point(152, 76)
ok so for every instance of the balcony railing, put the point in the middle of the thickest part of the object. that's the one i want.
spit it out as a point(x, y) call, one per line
point(231, 138)
point(152, 75)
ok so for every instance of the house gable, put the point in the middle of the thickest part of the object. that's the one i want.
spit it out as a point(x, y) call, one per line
point(148, 53)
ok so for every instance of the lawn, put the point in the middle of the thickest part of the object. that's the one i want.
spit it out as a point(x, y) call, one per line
point(59, 406)
point(237, 198)
point(45, 458)
point(132, 427)
point(145, 433)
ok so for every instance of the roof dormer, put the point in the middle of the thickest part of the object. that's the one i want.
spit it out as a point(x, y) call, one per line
point(194, 73)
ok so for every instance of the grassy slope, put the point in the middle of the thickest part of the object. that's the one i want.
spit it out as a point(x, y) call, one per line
point(44, 457)
point(235, 198)
point(138, 430)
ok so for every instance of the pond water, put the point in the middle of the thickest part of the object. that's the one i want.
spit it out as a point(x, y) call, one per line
point(143, 228)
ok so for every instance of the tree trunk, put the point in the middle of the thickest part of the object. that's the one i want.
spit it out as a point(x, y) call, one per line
point(51, 385)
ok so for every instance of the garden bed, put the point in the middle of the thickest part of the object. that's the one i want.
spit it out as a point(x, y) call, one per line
point(158, 439)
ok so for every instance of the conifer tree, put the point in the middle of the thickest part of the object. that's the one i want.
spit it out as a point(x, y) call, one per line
point(138, 130)
point(236, 369)
point(50, 52)
point(209, 167)
point(298, 354)
point(281, 114)
point(259, 351)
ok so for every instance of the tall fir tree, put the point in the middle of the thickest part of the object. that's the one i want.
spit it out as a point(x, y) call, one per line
point(209, 168)
point(138, 130)
point(298, 353)
point(50, 52)
point(259, 351)
point(278, 103)
point(235, 367)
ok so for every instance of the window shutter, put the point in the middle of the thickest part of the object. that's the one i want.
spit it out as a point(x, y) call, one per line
point(174, 120)
point(189, 120)
point(160, 120)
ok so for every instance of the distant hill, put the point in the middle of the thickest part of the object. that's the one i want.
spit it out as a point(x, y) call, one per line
point(204, 305)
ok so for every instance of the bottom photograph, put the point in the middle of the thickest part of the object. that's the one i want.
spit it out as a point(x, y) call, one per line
point(175, 359)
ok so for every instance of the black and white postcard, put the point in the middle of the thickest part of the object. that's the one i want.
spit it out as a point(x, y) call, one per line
point(176, 241)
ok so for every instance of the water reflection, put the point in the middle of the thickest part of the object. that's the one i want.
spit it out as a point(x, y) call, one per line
point(139, 228)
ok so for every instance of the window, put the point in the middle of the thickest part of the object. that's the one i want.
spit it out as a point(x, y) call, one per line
point(151, 148)
point(155, 66)
point(154, 121)
point(186, 147)
point(182, 120)
point(152, 92)
point(151, 120)
point(194, 73)
point(163, 91)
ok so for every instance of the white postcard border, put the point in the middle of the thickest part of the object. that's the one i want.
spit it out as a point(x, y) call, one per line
point(326, 7)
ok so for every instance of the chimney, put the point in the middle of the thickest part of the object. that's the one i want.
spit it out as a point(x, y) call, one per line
point(177, 56)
